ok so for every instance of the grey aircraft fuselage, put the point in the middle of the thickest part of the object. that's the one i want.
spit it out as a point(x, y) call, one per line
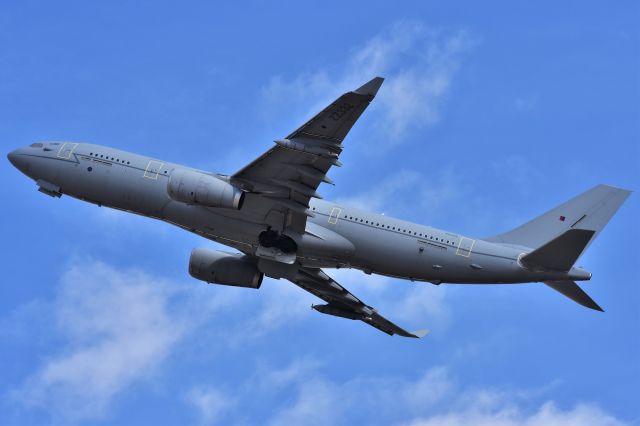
point(357, 239)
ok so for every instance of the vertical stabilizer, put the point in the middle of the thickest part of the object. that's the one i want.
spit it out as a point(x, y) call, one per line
point(590, 210)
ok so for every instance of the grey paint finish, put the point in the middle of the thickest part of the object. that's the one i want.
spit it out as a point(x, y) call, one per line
point(285, 231)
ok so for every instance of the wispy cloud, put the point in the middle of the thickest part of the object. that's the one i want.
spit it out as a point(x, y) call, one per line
point(506, 413)
point(419, 64)
point(413, 305)
point(119, 326)
point(432, 398)
point(119, 329)
point(376, 198)
point(433, 195)
point(281, 303)
point(210, 403)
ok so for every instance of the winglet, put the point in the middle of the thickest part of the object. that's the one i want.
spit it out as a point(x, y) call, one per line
point(370, 88)
point(420, 333)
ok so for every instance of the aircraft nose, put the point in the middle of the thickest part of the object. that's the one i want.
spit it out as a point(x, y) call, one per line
point(13, 158)
point(18, 159)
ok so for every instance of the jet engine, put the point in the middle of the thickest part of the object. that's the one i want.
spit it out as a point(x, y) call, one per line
point(193, 187)
point(217, 267)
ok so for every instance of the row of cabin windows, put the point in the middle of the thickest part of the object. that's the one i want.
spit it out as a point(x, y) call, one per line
point(117, 160)
point(393, 228)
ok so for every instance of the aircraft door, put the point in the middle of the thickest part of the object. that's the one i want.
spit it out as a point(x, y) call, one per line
point(334, 216)
point(465, 246)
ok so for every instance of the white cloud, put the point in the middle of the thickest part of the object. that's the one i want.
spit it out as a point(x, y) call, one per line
point(435, 195)
point(119, 329)
point(121, 326)
point(419, 65)
point(315, 405)
point(376, 198)
point(505, 414)
point(433, 398)
point(412, 305)
point(280, 303)
point(424, 305)
point(210, 403)
point(278, 378)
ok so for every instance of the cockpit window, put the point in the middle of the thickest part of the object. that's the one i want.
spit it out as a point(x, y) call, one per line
point(36, 145)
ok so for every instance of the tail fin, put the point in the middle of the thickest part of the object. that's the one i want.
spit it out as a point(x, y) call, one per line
point(590, 210)
point(575, 293)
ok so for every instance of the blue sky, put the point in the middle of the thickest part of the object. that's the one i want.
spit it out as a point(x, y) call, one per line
point(492, 112)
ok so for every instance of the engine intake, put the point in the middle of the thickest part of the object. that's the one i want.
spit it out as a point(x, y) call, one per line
point(193, 187)
point(218, 267)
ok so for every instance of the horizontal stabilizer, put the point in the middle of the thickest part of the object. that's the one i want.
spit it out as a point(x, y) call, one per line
point(560, 253)
point(575, 293)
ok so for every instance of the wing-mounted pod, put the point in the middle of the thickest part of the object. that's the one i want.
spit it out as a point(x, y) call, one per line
point(192, 187)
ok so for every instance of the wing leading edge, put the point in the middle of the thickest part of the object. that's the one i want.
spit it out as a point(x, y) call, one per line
point(341, 303)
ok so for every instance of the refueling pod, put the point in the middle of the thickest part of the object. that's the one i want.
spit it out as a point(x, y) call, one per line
point(192, 187)
point(217, 267)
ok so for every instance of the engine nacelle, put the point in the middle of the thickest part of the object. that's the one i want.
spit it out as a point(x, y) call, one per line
point(218, 267)
point(193, 187)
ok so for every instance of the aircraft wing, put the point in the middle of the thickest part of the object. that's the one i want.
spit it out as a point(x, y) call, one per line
point(281, 181)
point(341, 303)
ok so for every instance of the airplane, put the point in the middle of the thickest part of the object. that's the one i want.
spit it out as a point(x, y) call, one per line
point(271, 213)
